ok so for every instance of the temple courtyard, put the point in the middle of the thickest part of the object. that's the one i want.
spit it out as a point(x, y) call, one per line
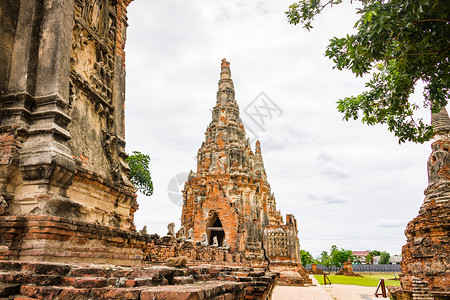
point(318, 292)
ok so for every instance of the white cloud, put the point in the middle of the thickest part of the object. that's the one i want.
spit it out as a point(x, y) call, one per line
point(325, 199)
point(334, 172)
point(392, 223)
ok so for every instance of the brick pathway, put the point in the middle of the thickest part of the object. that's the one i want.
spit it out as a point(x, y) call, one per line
point(318, 292)
point(315, 292)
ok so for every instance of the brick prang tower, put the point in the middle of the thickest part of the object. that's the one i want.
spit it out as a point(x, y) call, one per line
point(229, 197)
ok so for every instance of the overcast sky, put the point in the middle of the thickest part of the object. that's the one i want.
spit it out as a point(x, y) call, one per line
point(346, 183)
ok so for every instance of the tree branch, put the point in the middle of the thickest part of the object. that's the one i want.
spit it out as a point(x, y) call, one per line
point(418, 53)
point(420, 21)
point(430, 20)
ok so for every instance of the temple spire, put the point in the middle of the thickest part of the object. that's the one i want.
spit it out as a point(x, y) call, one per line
point(440, 121)
point(225, 81)
point(259, 163)
point(258, 148)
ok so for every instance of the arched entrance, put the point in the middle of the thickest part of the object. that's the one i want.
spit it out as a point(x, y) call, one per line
point(214, 228)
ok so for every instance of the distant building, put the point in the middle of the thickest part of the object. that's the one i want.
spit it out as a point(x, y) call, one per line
point(360, 256)
point(395, 260)
point(376, 259)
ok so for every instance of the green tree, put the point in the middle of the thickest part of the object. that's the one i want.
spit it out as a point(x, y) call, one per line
point(325, 259)
point(384, 258)
point(338, 257)
point(306, 257)
point(398, 43)
point(139, 172)
point(375, 253)
point(369, 259)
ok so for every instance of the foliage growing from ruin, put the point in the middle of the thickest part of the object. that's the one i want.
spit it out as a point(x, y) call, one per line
point(398, 43)
point(140, 173)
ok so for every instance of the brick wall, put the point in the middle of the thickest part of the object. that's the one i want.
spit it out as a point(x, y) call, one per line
point(55, 239)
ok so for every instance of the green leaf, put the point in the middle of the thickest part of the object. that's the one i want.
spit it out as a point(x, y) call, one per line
point(406, 41)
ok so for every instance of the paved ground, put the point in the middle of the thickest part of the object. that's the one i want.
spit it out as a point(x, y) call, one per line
point(318, 292)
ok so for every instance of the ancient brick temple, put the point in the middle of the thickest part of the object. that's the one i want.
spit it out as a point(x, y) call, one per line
point(228, 201)
point(426, 255)
point(66, 202)
point(62, 118)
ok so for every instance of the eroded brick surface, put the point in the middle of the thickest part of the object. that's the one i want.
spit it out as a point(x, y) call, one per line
point(426, 253)
point(134, 283)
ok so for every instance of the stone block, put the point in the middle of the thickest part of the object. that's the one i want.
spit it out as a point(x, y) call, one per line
point(47, 293)
point(183, 280)
point(84, 282)
point(115, 294)
point(170, 295)
point(74, 294)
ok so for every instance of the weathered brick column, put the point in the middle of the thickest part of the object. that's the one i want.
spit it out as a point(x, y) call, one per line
point(62, 95)
point(37, 163)
point(426, 254)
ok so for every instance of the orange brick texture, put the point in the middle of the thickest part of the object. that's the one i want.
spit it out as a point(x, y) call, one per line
point(9, 146)
point(426, 255)
point(54, 239)
point(34, 280)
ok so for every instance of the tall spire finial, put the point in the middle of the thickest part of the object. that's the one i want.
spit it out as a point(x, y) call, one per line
point(258, 148)
point(225, 76)
point(225, 63)
point(259, 163)
point(440, 121)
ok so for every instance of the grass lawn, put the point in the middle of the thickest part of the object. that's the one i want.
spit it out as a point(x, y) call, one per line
point(366, 280)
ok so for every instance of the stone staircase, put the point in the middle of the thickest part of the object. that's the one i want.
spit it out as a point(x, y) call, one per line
point(26, 281)
point(420, 290)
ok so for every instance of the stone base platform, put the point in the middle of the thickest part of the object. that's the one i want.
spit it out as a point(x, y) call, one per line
point(48, 257)
point(398, 293)
point(29, 280)
point(55, 239)
point(291, 274)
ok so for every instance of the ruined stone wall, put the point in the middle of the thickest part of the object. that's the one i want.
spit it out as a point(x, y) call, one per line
point(281, 243)
point(9, 10)
point(162, 249)
point(55, 239)
point(216, 203)
point(97, 98)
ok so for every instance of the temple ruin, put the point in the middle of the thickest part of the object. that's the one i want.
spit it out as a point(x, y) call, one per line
point(62, 129)
point(229, 198)
point(66, 203)
point(425, 257)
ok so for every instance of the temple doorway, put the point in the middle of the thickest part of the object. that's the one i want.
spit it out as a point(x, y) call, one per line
point(214, 228)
